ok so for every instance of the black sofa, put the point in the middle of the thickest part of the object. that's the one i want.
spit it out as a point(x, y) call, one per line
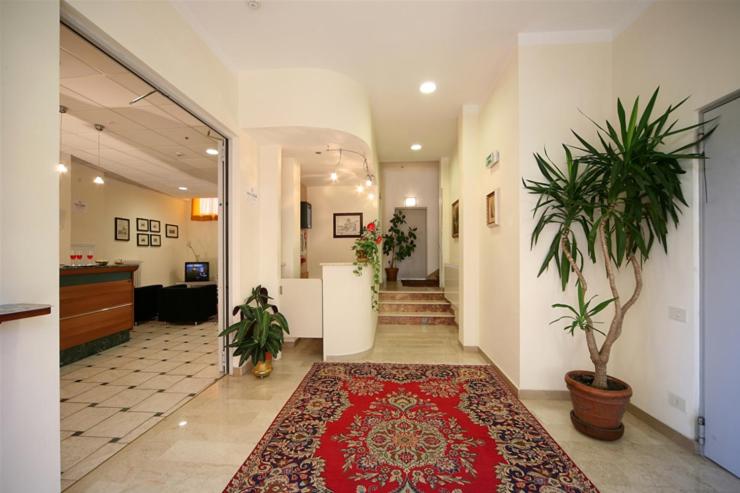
point(188, 304)
point(146, 303)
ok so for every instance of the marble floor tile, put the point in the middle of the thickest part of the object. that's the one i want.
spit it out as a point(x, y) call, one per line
point(161, 382)
point(76, 448)
point(160, 402)
point(198, 447)
point(118, 425)
point(134, 378)
point(69, 408)
point(86, 418)
point(98, 394)
point(127, 398)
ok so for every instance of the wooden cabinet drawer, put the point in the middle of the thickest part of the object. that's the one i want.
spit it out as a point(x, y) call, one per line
point(87, 298)
point(79, 329)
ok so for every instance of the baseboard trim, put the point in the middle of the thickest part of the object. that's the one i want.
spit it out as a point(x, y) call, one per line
point(239, 371)
point(665, 430)
point(544, 395)
point(513, 388)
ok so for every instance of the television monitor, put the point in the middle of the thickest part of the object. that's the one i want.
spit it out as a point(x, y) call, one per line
point(196, 272)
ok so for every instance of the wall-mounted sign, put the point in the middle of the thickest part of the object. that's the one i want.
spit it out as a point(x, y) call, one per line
point(492, 159)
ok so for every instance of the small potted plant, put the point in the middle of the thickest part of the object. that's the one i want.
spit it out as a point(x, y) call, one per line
point(622, 195)
point(258, 335)
point(367, 252)
point(398, 244)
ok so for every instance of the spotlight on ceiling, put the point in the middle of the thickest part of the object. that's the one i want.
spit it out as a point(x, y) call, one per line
point(183, 189)
point(333, 176)
point(212, 152)
point(360, 189)
point(428, 87)
point(415, 147)
point(61, 168)
point(99, 180)
point(369, 182)
point(371, 196)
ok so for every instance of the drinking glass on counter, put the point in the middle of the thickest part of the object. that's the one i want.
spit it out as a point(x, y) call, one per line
point(90, 256)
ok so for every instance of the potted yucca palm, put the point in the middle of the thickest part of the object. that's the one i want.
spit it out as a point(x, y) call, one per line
point(258, 335)
point(622, 195)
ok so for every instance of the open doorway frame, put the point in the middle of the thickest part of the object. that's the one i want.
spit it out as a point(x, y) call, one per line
point(99, 39)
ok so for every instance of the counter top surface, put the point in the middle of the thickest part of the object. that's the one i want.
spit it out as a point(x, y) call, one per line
point(336, 264)
point(96, 269)
point(18, 311)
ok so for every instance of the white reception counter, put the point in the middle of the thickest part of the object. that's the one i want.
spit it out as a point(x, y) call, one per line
point(349, 319)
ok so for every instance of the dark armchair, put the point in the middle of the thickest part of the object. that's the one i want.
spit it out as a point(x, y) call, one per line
point(190, 305)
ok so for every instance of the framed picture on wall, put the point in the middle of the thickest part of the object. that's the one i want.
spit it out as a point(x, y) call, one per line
point(142, 224)
point(172, 231)
point(155, 240)
point(121, 229)
point(347, 224)
point(142, 240)
point(154, 226)
point(456, 219)
point(492, 208)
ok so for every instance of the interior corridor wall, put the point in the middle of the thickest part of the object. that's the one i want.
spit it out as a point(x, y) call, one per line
point(325, 202)
point(29, 245)
point(499, 251)
point(420, 180)
point(550, 97)
point(450, 189)
point(688, 49)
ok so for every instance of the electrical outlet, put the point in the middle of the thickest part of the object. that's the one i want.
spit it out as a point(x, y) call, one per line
point(677, 402)
point(676, 313)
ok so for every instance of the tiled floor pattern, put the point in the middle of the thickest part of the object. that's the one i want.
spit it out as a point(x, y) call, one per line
point(111, 398)
point(199, 446)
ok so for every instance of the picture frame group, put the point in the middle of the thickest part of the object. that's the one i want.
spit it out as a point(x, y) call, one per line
point(148, 231)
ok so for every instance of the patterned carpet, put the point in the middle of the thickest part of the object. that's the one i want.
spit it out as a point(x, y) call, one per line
point(361, 427)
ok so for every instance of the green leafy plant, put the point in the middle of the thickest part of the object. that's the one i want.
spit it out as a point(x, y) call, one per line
point(623, 193)
point(367, 252)
point(259, 330)
point(400, 240)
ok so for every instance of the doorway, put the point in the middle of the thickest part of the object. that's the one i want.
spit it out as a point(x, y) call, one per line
point(720, 242)
point(415, 267)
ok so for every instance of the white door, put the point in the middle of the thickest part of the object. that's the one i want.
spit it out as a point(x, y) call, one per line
point(721, 289)
point(415, 267)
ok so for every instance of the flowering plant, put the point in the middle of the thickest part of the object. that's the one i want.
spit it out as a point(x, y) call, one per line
point(367, 251)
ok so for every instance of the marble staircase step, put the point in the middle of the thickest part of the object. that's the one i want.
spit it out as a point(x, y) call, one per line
point(437, 306)
point(416, 318)
point(411, 295)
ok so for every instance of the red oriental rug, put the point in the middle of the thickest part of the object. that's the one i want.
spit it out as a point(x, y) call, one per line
point(377, 428)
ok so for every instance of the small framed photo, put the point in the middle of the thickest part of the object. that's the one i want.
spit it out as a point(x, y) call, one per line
point(492, 208)
point(155, 226)
point(347, 224)
point(172, 231)
point(155, 240)
point(121, 229)
point(456, 219)
point(142, 224)
point(142, 240)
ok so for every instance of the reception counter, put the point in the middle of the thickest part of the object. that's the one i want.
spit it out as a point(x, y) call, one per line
point(349, 318)
point(96, 309)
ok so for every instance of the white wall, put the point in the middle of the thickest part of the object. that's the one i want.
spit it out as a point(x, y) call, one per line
point(29, 245)
point(420, 180)
point(499, 245)
point(270, 181)
point(549, 100)
point(325, 201)
point(688, 49)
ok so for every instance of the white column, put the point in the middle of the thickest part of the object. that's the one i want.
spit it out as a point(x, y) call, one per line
point(29, 244)
point(268, 237)
point(291, 219)
point(471, 213)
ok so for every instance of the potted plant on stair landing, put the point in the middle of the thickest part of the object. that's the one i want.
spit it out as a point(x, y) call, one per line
point(258, 335)
point(611, 204)
point(398, 244)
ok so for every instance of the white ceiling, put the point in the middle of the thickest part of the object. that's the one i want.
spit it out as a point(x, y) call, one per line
point(316, 149)
point(391, 47)
point(153, 142)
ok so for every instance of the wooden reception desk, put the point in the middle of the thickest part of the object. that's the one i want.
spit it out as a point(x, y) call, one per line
point(96, 309)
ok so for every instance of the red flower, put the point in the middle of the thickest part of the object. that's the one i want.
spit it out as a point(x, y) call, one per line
point(371, 227)
point(379, 240)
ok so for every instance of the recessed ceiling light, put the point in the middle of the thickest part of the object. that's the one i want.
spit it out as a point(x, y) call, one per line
point(61, 168)
point(182, 423)
point(333, 176)
point(99, 180)
point(212, 152)
point(428, 87)
point(184, 189)
point(415, 147)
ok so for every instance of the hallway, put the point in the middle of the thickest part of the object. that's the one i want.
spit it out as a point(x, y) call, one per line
point(200, 446)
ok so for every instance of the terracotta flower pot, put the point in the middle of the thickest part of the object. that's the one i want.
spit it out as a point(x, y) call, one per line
point(597, 412)
point(391, 274)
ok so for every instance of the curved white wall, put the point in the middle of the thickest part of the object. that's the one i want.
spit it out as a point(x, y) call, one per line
point(304, 98)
